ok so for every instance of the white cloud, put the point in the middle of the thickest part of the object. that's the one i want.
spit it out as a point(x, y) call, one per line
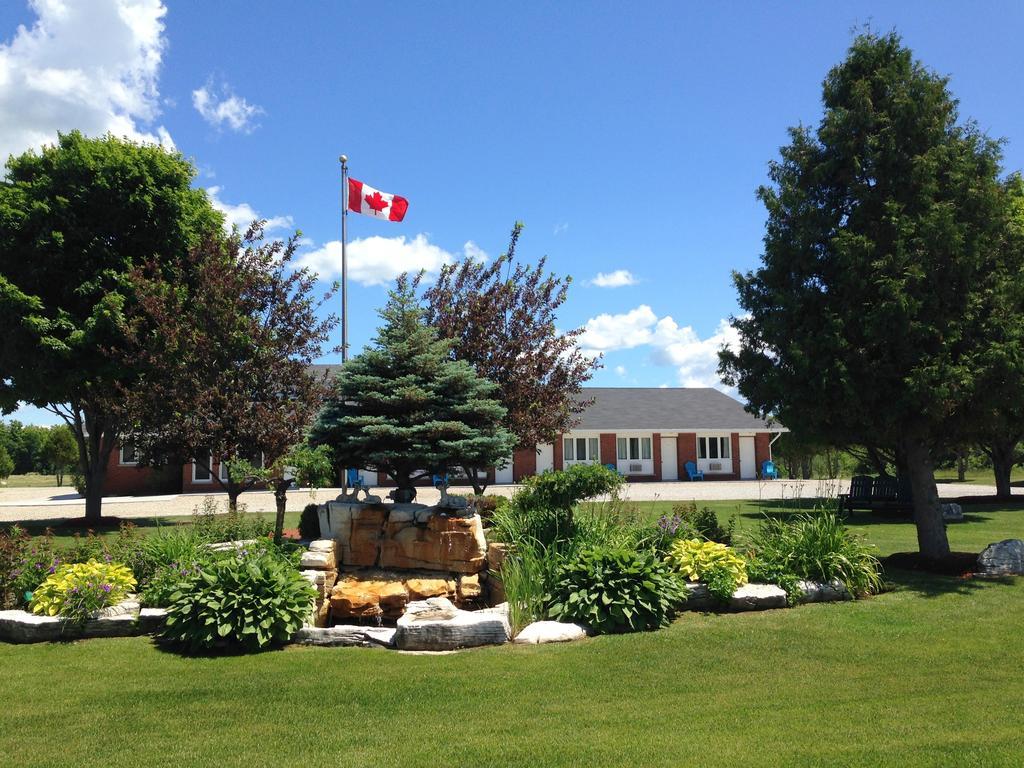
point(220, 107)
point(695, 359)
point(474, 251)
point(243, 214)
point(379, 260)
point(91, 65)
point(616, 279)
point(620, 370)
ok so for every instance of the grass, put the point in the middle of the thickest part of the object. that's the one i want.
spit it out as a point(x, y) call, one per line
point(926, 675)
point(978, 476)
point(36, 480)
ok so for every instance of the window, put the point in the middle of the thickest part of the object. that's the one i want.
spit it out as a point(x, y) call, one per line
point(580, 449)
point(714, 448)
point(129, 454)
point(256, 459)
point(201, 471)
point(634, 448)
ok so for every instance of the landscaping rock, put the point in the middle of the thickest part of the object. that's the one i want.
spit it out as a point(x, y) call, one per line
point(437, 625)
point(550, 632)
point(699, 598)
point(227, 546)
point(152, 620)
point(346, 635)
point(320, 561)
point(496, 554)
point(469, 588)
point(952, 513)
point(757, 597)
point(1004, 558)
point(121, 625)
point(821, 592)
point(421, 589)
point(323, 545)
point(25, 627)
point(445, 543)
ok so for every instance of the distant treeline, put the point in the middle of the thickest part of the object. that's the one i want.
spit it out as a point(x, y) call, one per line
point(26, 446)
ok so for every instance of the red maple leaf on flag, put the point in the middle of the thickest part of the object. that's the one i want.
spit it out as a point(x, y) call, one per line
point(376, 202)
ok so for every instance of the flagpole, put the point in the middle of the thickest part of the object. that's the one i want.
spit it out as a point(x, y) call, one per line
point(344, 284)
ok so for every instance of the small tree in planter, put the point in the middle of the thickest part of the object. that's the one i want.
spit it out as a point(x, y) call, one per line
point(406, 408)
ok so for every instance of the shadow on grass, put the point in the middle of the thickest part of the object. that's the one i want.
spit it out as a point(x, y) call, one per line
point(68, 528)
point(925, 584)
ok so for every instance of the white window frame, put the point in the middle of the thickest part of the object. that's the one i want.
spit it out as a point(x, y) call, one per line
point(571, 445)
point(124, 462)
point(210, 470)
point(718, 443)
point(633, 449)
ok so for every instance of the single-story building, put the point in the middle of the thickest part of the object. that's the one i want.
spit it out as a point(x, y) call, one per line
point(646, 433)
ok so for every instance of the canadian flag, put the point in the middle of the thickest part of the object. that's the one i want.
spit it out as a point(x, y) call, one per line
point(363, 198)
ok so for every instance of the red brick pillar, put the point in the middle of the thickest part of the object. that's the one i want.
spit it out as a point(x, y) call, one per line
point(608, 450)
point(656, 453)
point(686, 450)
point(734, 438)
point(762, 449)
point(524, 463)
point(557, 458)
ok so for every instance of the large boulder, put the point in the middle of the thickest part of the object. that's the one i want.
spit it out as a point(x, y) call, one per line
point(550, 632)
point(822, 592)
point(952, 513)
point(353, 598)
point(445, 543)
point(25, 627)
point(346, 635)
point(437, 625)
point(1004, 558)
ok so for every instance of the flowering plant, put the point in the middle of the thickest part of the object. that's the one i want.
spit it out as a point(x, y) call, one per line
point(36, 561)
point(77, 590)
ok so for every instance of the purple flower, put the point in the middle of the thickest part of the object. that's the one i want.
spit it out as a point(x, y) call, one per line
point(105, 587)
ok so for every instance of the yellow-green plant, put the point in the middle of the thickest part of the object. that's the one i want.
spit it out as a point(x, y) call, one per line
point(694, 558)
point(76, 590)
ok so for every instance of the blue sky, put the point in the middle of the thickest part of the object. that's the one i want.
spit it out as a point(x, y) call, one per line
point(630, 138)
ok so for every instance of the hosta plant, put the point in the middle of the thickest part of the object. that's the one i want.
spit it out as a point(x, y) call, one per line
point(76, 590)
point(720, 567)
point(245, 603)
point(615, 590)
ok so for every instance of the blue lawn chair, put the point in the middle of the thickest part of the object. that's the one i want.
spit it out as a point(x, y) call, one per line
point(769, 471)
point(353, 479)
point(692, 472)
point(440, 480)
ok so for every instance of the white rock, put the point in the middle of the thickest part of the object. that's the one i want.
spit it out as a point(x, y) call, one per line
point(323, 545)
point(227, 546)
point(151, 620)
point(821, 592)
point(436, 625)
point(323, 561)
point(550, 632)
point(952, 513)
point(1004, 558)
point(316, 578)
point(501, 609)
point(699, 599)
point(346, 635)
point(25, 627)
point(121, 625)
point(757, 597)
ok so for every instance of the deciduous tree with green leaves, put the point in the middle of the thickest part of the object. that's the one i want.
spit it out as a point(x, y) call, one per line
point(406, 408)
point(75, 219)
point(866, 322)
point(60, 452)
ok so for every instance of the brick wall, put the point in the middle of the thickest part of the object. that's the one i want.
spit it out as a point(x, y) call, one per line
point(734, 438)
point(762, 449)
point(686, 450)
point(524, 463)
point(132, 480)
point(656, 453)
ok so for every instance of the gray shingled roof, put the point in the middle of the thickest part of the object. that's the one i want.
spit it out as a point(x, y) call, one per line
point(652, 408)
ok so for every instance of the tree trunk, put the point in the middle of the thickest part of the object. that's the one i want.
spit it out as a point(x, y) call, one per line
point(1003, 453)
point(95, 444)
point(931, 530)
point(281, 500)
point(474, 480)
point(233, 494)
point(961, 466)
point(806, 467)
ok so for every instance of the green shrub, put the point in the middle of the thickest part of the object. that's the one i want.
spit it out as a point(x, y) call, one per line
point(76, 590)
point(212, 525)
point(694, 557)
point(543, 509)
point(244, 602)
point(528, 574)
point(13, 545)
point(704, 522)
point(309, 522)
point(39, 560)
point(165, 581)
point(614, 590)
point(487, 504)
point(817, 547)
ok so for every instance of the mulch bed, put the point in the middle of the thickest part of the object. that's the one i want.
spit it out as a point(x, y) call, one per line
point(960, 564)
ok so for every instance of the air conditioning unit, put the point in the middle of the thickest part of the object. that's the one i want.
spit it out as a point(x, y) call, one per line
point(715, 466)
point(636, 467)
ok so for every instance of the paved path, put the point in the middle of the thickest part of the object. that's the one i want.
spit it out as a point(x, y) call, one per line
point(17, 504)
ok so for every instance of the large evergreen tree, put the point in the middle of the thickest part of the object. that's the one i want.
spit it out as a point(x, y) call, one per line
point(404, 407)
point(75, 219)
point(867, 318)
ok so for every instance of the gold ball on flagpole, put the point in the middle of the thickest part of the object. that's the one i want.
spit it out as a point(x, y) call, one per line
point(344, 159)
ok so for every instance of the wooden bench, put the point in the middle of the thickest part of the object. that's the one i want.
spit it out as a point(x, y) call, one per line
point(876, 494)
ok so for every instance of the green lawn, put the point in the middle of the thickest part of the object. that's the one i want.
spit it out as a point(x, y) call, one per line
point(928, 675)
point(35, 480)
point(978, 476)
